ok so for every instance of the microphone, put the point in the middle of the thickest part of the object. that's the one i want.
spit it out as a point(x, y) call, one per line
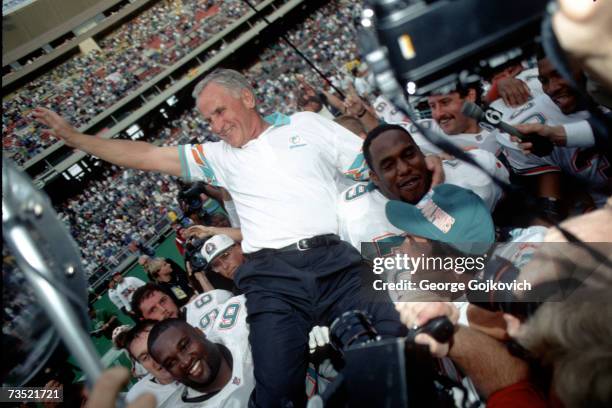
point(541, 146)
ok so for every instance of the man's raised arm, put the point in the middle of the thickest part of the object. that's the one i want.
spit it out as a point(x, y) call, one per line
point(125, 153)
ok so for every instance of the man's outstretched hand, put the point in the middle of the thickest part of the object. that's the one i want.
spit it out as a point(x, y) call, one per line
point(58, 127)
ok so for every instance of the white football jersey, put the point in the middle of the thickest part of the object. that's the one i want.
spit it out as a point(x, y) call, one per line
point(585, 163)
point(361, 208)
point(168, 395)
point(385, 110)
point(230, 324)
point(485, 140)
point(539, 109)
point(202, 311)
point(231, 330)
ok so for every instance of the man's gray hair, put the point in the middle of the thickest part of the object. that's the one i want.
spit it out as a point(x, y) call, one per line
point(573, 338)
point(232, 80)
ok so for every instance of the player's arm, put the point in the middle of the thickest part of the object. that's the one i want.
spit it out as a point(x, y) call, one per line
point(577, 134)
point(125, 153)
point(513, 91)
point(356, 107)
point(333, 100)
point(203, 231)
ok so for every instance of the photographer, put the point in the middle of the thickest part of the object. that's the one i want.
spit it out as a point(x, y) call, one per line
point(197, 266)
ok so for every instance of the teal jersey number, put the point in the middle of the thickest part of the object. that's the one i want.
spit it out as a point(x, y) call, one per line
point(229, 316)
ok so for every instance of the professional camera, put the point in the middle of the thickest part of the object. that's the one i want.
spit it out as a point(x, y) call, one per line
point(193, 255)
point(190, 199)
point(199, 264)
point(430, 44)
point(400, 373)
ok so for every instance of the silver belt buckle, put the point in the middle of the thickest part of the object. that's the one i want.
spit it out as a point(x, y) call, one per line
point(299, 245)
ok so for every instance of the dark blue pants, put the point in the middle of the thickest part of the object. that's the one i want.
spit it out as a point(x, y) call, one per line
point(287, 294)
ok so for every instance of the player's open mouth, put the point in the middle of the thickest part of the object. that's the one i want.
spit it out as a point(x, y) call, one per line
point(445, 121)
point(561, 99)
point(410, 183)
point(196, 369)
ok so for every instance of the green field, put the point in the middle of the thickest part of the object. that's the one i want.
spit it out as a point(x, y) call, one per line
point(109, 355)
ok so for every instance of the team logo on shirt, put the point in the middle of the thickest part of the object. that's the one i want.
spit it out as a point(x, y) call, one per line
point(296, 141)
point(210, 248)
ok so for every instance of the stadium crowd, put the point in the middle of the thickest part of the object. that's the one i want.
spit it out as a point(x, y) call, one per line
point(104, 230)
point(311, 185)
point(87, 85)
point(110, 214)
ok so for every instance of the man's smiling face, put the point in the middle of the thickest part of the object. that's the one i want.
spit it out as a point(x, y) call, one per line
point(446, 111)
point(229, 113)
point(556, 87)
point(185, 353)
point(400, 171)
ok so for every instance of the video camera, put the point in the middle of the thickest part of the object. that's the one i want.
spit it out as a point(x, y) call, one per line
point(400, 373)
point(190, 199)
point(193, 255)
point(427, 45)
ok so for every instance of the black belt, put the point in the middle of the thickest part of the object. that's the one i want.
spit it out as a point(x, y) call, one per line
point(302, 245)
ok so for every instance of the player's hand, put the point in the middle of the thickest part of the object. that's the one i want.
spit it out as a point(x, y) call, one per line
point(434, 164)
point(318, 337)
point(583, 31)
point(556, 134)
point(58, 126)
point(354, 105)
point(105, 391)
point(513, 91)
point(415, 314)
point(199, 231)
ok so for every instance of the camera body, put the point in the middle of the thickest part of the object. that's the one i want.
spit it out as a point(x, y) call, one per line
point(390, 372)
point(193, 255)
point(190, 199)
point(430, 43)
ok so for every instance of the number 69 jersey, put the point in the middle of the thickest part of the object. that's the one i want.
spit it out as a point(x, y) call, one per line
point(219, 315)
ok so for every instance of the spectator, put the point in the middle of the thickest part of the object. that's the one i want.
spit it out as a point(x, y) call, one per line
point(103, 322)
point(125, 289)
point(113, 296)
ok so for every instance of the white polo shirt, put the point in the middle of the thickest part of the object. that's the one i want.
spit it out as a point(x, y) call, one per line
point(283, 182)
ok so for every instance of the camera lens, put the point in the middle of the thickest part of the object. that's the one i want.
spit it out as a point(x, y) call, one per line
point(352, 327)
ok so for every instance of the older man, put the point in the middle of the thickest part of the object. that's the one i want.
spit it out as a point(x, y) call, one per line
point(280, 176)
